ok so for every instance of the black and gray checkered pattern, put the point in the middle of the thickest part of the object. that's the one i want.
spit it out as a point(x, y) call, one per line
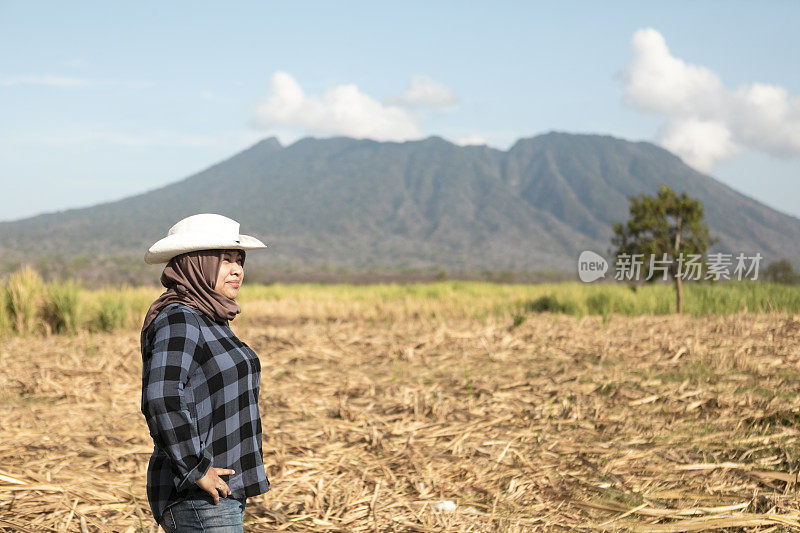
point(200, 387)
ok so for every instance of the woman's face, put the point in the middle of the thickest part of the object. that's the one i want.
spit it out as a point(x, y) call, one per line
point(231, 274)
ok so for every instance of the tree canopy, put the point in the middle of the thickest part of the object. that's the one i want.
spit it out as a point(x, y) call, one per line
point(665, 229)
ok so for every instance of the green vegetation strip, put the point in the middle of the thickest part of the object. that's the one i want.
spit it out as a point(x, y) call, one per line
point(29, 305)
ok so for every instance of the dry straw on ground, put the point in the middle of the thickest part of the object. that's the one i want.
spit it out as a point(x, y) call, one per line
point(653, 423)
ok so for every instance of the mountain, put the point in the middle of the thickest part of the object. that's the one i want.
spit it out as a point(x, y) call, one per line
point(362, 204)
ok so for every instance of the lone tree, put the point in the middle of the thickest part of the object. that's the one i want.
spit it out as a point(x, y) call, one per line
point(664, 227)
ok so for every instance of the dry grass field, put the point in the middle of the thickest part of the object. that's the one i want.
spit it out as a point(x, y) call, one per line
point(649, 423)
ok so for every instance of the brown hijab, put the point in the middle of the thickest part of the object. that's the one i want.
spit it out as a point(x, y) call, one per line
point(190, 279)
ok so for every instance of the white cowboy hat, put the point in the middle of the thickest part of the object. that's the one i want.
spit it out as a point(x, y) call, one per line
point(205, 231)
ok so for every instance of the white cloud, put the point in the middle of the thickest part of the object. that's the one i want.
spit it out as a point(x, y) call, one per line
point(425, 91)
point(705, 121)
point(700, 143)
point(471, 140)
point(656, 81)
point(342, 110)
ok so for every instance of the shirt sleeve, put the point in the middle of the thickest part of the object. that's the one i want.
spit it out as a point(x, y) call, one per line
point(166, 371)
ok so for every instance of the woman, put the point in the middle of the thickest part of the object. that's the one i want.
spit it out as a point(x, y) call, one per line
point(200, 383)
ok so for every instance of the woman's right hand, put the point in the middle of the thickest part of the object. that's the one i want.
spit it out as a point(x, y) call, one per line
point(214, 485)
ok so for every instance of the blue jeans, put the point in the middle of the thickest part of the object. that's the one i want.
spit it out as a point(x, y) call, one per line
point(198, 513)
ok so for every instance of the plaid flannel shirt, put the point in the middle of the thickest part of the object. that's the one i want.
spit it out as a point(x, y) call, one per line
point(200, 387)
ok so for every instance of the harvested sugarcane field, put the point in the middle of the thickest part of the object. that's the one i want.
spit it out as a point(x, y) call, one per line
point(432, 407)
point(510, 267)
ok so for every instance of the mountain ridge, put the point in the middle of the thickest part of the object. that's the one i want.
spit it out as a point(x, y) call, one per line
point(428, 203)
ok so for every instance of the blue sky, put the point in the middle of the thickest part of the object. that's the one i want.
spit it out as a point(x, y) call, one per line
point(101, 100)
